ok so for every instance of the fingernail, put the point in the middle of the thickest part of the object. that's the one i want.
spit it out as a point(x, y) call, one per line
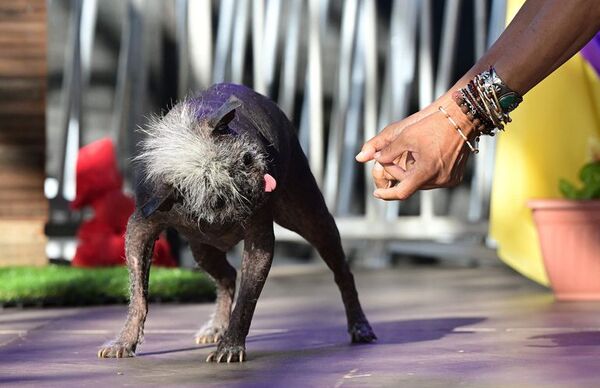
point(376, 194)
point(376, 155)
point(360, 155)
point(377, 166)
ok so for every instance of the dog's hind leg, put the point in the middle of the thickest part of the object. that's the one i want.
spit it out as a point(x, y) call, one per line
point(215, 263)
point(301, 208)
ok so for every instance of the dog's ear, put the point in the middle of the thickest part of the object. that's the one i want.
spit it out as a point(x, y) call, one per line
point(220, 118)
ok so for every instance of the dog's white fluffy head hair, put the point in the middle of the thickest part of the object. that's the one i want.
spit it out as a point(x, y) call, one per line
point(219, 176)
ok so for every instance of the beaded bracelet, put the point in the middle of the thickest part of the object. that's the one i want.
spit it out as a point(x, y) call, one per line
point(487, 102)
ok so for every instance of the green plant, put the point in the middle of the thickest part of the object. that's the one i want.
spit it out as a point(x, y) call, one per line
point(590, 176)
point(57, 285)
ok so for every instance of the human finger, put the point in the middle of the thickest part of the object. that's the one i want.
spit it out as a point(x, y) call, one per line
point(380, 177)
point(387, 135)
point(394, 172)
point(397, 152)
point(379, 141)
point(404, 189)
point(371, 147)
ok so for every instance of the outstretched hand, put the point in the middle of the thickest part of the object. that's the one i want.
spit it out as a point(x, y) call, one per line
point(423, 151)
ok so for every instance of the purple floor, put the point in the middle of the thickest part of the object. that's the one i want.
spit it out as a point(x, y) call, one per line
point(438, 327)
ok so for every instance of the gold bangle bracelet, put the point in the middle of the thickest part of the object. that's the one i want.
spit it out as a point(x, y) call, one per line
point(460, 132)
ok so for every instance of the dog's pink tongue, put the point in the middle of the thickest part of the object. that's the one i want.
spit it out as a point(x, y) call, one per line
point(270, 183)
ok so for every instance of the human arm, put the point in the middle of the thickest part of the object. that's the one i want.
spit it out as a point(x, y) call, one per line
point(542, 36)
point(525, 15)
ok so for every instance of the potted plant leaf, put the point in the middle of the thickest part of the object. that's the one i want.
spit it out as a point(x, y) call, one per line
point(569, 233)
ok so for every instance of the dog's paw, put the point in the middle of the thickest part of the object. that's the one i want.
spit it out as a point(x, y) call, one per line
point(209, 335)
point(116, 349)
point(228, 353)
point(362, 333)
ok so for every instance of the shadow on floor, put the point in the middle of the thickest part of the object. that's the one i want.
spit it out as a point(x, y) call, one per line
point(176, 350)
point(580, 338)
point(417, 330)
point(388, 333)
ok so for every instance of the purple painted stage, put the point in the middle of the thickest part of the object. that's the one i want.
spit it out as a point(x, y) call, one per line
point(438, 327)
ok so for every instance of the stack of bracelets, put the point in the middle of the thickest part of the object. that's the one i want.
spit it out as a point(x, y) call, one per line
point(486, 101)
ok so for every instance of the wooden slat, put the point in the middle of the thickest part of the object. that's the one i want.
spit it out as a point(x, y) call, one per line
point(23, 242)
point(28, 117)
point(18, 210)
point(19, 87)
point(22, 196)
point(11, 38)
point(15, 157)
point(31, 254)
point(20, 137)
point(25, 178)
point(13, 188)
point(16, 7)
point(24, 27)
point(22, 230)
point(10, 44)
point(23, 207)
point(14, 11)
point(9, 132)
point(19, 50)
point(23, 105)
point(15, 67)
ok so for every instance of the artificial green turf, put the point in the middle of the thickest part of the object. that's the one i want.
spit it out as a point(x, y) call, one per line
point(58, 285)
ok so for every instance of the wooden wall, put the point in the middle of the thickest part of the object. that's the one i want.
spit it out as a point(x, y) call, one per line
point(23, 208)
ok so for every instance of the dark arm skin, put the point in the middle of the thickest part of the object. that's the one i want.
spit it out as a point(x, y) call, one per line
point(424, 151)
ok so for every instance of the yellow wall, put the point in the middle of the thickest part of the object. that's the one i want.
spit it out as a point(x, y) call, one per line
point(550, 138)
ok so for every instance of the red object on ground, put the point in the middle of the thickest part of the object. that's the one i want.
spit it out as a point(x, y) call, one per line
point(99, 185)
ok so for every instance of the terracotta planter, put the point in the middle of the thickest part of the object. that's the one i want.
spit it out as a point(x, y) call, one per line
point(569, 233)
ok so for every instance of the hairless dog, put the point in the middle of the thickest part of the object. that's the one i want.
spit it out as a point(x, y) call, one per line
point(220, 168)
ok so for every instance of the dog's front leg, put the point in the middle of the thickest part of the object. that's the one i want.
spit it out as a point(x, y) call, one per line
point(256, 262)
point(139, 244)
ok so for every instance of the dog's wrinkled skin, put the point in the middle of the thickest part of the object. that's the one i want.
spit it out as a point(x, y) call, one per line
point(230, 138)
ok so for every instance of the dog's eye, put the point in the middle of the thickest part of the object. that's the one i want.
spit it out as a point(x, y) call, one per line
point(221, 129)
point(220, 203)
point(248, 159)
